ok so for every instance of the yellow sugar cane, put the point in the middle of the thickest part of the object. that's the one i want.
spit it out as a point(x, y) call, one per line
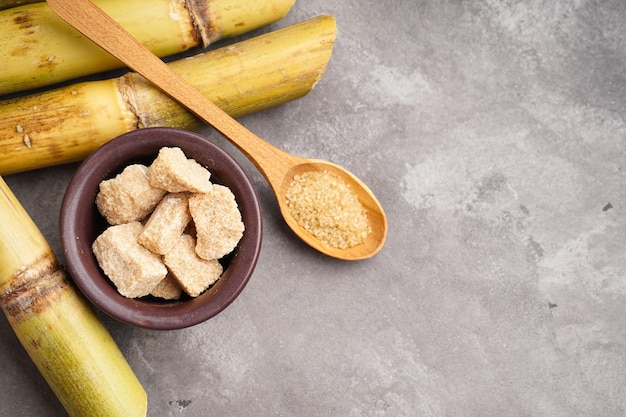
point(7, 4)
point(39, 49)
point(57, 327)
point(67, 124)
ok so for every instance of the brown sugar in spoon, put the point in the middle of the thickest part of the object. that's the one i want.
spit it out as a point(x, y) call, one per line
point(277, 166)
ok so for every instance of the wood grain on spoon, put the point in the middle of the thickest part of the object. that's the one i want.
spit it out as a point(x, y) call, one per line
point(277, 166)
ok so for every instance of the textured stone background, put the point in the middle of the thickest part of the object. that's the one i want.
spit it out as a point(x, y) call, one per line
point(493, 133)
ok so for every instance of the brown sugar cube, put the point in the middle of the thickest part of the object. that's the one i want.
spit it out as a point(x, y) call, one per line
point(166, 223)
point(218, 222)
point(168, 289)
point(129, 196)
point(133, 269)
point(192, 273)
point(172, 171)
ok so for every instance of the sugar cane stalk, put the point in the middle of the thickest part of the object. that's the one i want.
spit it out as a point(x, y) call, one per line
point(61, 333)
point(39, 49)
point(67, 124)
point(7, 4)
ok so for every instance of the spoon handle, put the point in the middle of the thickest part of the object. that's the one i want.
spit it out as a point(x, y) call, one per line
point(96, 25)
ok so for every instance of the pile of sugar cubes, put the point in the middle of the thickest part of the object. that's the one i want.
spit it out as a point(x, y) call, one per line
point(169, 227)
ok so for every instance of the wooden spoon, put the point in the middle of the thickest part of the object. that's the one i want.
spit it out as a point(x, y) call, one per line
point(278, 167)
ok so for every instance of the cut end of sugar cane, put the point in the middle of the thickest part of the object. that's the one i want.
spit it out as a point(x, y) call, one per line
point(59, 330)
point(67, 124)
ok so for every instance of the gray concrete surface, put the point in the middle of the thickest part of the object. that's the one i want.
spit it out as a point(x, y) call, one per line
point(493, 132)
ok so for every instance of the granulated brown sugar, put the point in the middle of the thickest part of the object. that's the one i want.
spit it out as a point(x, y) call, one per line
point(328, 208)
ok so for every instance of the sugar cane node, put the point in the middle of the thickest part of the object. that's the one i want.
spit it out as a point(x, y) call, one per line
point(34, 287)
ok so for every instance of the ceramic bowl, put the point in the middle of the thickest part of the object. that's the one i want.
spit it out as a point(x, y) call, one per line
point(80, 224)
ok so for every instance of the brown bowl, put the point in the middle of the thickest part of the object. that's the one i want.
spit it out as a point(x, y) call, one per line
point(81, 223)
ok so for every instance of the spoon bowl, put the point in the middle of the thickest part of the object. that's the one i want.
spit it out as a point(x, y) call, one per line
point(278, 167)
point(375, 239)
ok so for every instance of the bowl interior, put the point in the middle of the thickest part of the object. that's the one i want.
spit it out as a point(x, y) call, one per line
point(81, 223)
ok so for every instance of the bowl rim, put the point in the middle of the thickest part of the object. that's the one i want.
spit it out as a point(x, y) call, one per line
point(76, 211)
